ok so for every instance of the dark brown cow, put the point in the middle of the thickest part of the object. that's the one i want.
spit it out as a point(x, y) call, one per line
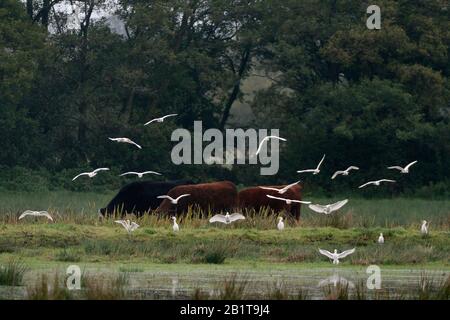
point(215, 196)
point(256, 198)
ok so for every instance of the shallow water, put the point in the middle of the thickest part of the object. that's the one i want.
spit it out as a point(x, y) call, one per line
point(312, 282)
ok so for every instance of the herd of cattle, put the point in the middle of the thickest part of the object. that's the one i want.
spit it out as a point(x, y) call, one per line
point(142, 196)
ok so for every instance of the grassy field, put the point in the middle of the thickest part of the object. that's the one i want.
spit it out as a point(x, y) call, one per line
point(362, 212)
point(108, 241)
point(78, 237)
point(233, 263)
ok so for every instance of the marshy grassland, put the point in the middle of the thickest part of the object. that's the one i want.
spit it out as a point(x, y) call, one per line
point(34, 252)
point(366, 212)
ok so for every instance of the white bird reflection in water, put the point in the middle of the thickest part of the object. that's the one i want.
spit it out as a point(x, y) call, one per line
point(334, 280)
point(174, 287)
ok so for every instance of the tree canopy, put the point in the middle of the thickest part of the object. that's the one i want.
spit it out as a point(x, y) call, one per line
point(70, 77)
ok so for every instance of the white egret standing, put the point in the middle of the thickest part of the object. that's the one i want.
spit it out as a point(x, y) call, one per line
point(280, 224)
point(175, 226)
point(381, 239)
point(424, 227)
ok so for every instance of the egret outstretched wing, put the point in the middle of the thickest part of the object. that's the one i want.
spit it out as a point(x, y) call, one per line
point(81, 174)
point(122, 222)
point(264, 140)
point(306, 170)
point(128, 173)
point(182, 196)
point(218, 218)
point(152, 172)
point(129, 226)
point(269, 188)
point(320, 163)
point(288, 200)
point(286, 188)
point(336, 174)
point(166, 197)
point(134, 226)
point(125, 140)
point(365, 184)
point(25, 213)
point(409, 165)
point(277, 198)
point(345, 253)
point(236, 216)
point(36, 214)
point(132, 142)
point(338, 205)
point(161, 119)
point(169, 115)
point(151, 121)
point(327, 253)
point(46, 214)
point(317, 208)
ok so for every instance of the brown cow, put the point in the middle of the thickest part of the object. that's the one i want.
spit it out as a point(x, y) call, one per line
point(215, 196)
point(256, 198)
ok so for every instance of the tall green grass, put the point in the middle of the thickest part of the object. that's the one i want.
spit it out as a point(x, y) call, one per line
point(105, 288)
point(82, 208)
point(11, 274)
point(44, 289)
point(93, 287)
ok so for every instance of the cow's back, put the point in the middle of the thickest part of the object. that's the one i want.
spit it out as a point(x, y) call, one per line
point(215, 196)
point(140, 196)
point(256, 198)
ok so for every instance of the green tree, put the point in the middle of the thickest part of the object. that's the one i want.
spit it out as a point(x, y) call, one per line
point(21, 45)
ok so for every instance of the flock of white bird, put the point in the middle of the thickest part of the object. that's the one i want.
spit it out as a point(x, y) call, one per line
point(131, 226)
point(328, 209)
point(129, 141)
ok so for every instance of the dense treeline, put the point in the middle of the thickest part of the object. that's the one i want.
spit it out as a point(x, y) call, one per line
point(364, 97)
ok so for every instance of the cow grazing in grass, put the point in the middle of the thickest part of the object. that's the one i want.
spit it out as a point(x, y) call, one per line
point(140, 197)
point(256, 198)
point(214, 196)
